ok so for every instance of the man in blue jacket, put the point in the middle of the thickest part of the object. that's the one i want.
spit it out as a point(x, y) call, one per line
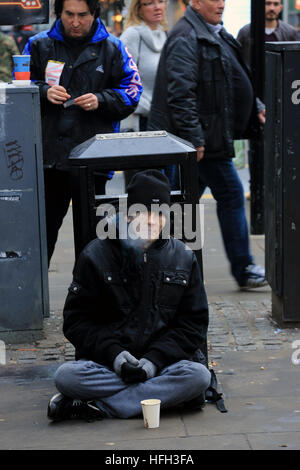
point(203, 93)
point(88, 82)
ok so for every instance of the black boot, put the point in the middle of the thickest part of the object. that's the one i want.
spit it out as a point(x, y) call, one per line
point(62, 408)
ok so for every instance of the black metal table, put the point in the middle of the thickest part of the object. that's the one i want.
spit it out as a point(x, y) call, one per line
point(282, 215)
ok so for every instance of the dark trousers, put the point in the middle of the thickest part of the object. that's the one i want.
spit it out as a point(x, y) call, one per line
point(58, 195)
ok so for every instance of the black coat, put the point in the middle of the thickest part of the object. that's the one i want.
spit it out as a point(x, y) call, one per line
point(193, 93)
point(104, 68)
point(155, 309)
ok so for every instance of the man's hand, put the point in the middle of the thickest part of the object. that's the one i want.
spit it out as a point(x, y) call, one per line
point(200, 153)
point(57, 94)
point(121, 359)
point(87, 102)
point(262, 116)
point(148, 367)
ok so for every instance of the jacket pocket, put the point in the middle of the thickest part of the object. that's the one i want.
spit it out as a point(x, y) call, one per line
point(117, 290)
point(172, 288)
point(211, 84)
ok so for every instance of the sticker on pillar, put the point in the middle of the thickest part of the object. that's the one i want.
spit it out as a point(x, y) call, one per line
point(53, 72)
point(10, 254)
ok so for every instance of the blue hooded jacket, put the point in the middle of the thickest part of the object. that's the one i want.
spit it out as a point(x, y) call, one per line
point(104, 67)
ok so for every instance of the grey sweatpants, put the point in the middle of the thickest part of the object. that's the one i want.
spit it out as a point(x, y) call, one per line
point(87, 380)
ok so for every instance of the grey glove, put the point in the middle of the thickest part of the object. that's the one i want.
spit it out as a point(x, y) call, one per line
point(148, 367)
point(121, 358)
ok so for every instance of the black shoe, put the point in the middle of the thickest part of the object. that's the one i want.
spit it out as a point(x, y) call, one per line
point(197, 403)
point(62, 408)
point(255, 277)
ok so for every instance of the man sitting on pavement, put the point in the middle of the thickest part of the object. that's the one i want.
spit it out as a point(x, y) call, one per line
point(137, 317)
point(203, 93)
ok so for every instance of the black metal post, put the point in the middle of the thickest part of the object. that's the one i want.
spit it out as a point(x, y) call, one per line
point(256, 160)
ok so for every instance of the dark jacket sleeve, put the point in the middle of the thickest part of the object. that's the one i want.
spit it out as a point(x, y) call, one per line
point(182, 73)
point(85, 325)
point(188, 331)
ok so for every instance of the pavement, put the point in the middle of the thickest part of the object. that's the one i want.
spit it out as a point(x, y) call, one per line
point(250, 353)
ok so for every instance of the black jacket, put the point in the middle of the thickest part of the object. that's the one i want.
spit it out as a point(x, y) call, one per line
point(193, 93)
point(155, 308)
point(104, 67)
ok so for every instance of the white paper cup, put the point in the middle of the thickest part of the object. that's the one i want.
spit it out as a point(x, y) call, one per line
point(151, 412)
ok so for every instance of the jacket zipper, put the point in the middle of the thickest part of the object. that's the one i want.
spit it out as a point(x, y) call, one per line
point(144, 303)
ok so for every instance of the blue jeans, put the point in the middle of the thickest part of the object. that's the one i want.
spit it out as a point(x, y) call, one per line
point(87, 380)
point(223, 180)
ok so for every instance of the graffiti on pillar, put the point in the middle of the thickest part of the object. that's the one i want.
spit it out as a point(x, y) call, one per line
point(2, 353)
point(26, 4)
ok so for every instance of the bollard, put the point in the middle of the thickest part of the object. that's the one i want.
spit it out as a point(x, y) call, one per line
point(23, 251)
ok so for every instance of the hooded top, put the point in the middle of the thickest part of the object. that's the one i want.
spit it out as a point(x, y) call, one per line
point(145, 45)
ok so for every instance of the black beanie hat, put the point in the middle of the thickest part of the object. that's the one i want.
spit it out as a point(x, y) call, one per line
point(148, 187)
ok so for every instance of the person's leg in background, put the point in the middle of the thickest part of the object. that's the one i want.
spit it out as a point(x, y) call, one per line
point(128, 174)
point(57, 201)
point(174, 385)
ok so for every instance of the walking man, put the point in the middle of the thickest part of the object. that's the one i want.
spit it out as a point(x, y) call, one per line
point(8, 48)
point(275, 29)
point(203, 93)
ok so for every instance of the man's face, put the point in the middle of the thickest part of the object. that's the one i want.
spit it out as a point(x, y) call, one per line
point(76, 18)
point(211, 10)
point(147, 226)
point(273, 9)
